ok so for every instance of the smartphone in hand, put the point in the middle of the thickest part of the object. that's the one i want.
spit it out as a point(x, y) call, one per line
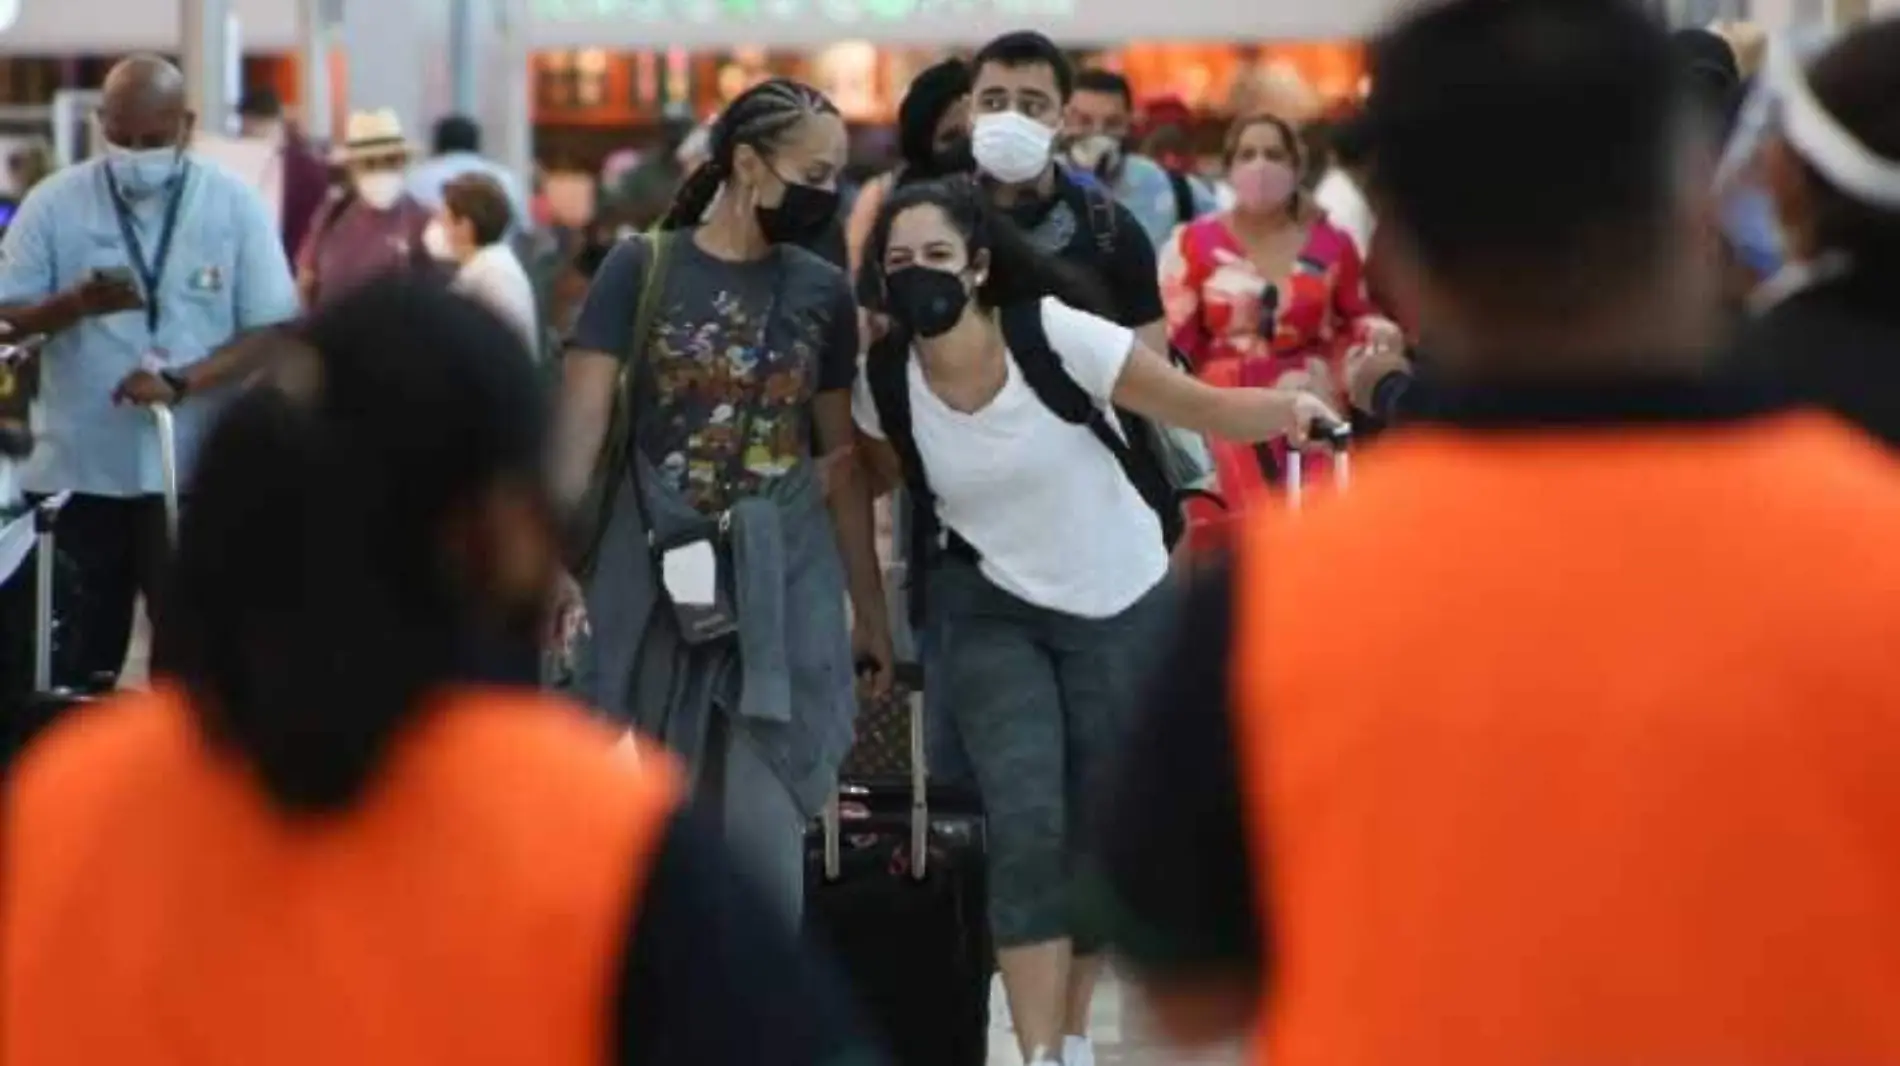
point(108, 290)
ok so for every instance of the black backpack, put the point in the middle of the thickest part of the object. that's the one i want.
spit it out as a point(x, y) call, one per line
point(887, 376)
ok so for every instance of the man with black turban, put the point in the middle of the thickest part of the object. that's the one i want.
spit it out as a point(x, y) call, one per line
point(932, 142)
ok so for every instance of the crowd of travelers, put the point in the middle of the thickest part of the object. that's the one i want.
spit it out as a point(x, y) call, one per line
point(491, 720)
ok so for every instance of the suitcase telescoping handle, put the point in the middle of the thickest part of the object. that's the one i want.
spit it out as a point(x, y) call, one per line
point(1335, 435)
point(910, 682)
point(168, 467)
point(45, 519)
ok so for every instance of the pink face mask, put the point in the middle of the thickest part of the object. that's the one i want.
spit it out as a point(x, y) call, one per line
point(1261, 184)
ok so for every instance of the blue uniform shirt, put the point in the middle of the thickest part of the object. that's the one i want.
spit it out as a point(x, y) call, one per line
point(1145, 189)
point(226, 273)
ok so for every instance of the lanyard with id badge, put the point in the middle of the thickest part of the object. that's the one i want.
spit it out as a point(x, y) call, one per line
point(150, 272)
point(693, 564)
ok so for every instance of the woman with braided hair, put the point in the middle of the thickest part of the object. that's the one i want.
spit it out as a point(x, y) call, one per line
point(723, 517)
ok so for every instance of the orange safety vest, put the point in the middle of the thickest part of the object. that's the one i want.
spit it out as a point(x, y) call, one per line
point(1600, 770)
point(474, 907)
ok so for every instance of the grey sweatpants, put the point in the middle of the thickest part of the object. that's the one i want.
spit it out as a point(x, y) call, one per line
point(1043, 702)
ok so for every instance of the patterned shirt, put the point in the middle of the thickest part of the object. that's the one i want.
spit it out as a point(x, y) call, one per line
point(1218, 308)
point(736, 353)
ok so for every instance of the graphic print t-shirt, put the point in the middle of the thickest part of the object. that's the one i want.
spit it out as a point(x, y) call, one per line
point(736, 353)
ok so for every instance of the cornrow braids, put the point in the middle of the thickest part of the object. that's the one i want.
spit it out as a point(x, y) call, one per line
point(762, 116)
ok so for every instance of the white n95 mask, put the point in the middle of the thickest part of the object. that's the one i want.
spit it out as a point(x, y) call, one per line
point(1011, 147)
point(380, 189)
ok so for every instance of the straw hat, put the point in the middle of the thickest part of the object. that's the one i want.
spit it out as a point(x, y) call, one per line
point(373, 135)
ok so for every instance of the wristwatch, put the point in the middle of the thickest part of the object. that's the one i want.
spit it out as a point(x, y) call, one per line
point(176, 381)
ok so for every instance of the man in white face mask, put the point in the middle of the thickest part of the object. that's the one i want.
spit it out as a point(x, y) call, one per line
point(370, 226)
point(142, 264)
point(1097, 129)
point(1021, 82)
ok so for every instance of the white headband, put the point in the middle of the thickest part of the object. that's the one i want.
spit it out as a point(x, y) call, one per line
point(1820, 139)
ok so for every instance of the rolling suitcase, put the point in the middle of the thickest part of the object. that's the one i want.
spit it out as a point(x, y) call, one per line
point(31, 714)
point(896, 892)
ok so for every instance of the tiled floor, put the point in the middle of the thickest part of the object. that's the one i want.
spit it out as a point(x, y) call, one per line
point(1116, 1029)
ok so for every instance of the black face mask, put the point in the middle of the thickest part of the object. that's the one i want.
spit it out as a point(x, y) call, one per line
point(801, 215)
point(928, 302)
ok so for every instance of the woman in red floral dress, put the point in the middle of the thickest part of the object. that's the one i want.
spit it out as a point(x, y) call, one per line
point(1269, 293)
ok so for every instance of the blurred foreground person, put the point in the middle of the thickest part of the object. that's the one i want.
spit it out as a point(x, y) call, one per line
point(1625, 794)
point(1829, 327)
point(340, 831)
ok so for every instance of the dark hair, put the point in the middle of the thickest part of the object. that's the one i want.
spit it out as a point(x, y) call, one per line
point(1857, 81)
point(1350, 141)
point(1570, 212)
point(1106, 82)
point(311, 612)
point(480, 199)
point(1026, 48)
point(762, 116)
point(929, 98)
point(260, 102)
point(1166, 139)
point(457, 133)
point(1017, 270)
point(1710, 73)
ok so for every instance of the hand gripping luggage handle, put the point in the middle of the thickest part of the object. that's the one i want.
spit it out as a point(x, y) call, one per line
point(1338, 437)
point(168, 467)
point(912, 679)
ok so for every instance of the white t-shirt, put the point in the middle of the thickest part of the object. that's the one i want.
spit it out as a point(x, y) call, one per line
point(1346, 208)
point(495, 276)
point(1054, 518)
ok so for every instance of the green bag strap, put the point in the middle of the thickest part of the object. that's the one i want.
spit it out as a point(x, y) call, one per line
point(610, 466)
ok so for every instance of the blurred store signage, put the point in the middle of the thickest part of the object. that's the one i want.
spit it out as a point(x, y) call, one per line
point(815, 23)
point(834, 10)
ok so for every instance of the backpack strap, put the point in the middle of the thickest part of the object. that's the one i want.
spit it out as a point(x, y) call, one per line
point(1183, 196)
point(1045, 375)
point(1053, 385)
point(1101, 218)
point(339, 201)
point(611, 463)
point(887, 375)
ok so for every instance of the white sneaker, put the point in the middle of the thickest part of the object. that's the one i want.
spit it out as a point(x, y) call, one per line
point(1078, 1051)
point(1041, 1057)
